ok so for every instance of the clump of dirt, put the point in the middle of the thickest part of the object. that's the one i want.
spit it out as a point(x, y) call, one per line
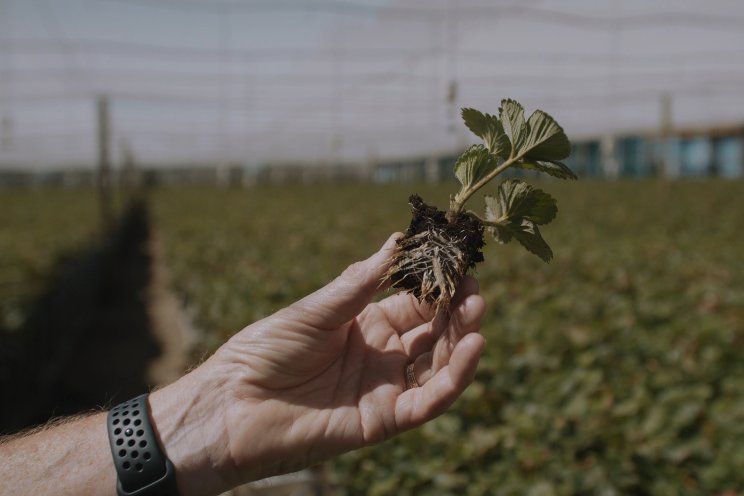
point(435, 254)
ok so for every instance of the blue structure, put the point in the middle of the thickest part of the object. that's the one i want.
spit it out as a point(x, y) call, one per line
point(696, 157)
point(728, 155)
point(704, 153)
point(715, 153)
point(633, 157)
point(586, 158)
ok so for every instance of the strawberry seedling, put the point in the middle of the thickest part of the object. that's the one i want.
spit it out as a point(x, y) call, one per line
point(439, 246)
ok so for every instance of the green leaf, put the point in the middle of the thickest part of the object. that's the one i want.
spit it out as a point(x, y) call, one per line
point(552, 167)
point(517, 199)
point(516, 212)
point(475, 120)
point(545, 139)
point(500, 229)
point(489, 128)
point(473, 165)
point(511, 115)
point(539, 207)
point(529, 236)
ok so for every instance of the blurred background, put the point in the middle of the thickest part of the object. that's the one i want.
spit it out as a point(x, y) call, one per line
point(243, 85)
point(172, 170)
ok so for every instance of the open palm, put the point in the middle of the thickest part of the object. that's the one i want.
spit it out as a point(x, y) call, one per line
point(327, 374)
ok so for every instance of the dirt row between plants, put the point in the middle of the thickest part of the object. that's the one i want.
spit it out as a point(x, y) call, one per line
point(171, 326)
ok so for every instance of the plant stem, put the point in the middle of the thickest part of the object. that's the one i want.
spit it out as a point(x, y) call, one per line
point(457, 203)
point(492, 223)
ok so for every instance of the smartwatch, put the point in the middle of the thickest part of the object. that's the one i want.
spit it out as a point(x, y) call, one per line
point(142, 468)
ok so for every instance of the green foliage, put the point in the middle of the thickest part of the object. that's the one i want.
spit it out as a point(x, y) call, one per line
point(616, 369)
point(511, 114)
point(490, 129)
point(552, 167)
point(40, 228)
point(237, 256)
point(544, 146)
point(473, 165)
point(538, 143)
point(516, 211)
point(545, 139)
point(517, 200)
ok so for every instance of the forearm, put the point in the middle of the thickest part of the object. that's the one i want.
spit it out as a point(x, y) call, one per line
point(71, 456)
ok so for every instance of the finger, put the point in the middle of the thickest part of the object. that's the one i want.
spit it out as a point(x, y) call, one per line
point(418, 405)
point(468, 286)
point(466, 317)
point(424, 345)
point(464, 321)
point(343, 298)
point(403, 311)
point(422, 338)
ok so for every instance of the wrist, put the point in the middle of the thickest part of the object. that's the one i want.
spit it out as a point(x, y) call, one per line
point(188, 419)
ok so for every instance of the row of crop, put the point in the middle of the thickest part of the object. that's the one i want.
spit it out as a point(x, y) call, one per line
point(618, 368)
point(39, 229)
point(615, 369)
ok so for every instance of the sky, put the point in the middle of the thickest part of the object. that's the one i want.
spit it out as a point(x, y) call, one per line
point(318, 81)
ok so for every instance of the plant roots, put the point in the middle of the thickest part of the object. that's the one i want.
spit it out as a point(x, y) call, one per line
point(434, 255)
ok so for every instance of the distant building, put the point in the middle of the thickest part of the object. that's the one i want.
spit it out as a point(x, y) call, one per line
point(706, 152)
point(713, 152)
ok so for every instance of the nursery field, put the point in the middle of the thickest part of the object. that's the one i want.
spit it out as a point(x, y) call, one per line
point(618, 368)
point(38, 230)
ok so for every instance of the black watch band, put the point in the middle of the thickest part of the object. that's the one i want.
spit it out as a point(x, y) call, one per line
point(141, 466)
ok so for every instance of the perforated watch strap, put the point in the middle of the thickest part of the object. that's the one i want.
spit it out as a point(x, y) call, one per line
point(141, 466)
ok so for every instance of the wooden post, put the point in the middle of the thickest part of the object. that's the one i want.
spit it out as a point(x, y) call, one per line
point(669, 169)
point(610, 165)
point(129, 176)
point(6, 134)
point(105, 200)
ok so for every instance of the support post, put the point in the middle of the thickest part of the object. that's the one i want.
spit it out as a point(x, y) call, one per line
point(105, 200)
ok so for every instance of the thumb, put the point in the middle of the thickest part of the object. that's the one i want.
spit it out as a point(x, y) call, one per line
point(346, 296)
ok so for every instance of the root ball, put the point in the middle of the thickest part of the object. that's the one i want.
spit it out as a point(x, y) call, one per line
point(434, 255)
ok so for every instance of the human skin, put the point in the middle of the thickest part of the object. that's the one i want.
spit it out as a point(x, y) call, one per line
point(320, 377)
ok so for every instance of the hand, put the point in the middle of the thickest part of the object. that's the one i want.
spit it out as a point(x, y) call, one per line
point(327, 374)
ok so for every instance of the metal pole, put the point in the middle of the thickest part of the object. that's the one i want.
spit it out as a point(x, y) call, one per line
point(105, 201)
